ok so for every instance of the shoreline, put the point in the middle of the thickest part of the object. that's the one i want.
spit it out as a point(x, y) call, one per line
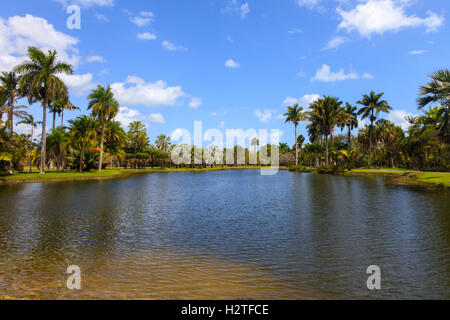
point(440, 180)
point(108, 174)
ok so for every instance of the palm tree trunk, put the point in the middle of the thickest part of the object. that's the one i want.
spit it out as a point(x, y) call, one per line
point(81, 160)
point(370, 143)
point(349, 138)
point(11, 120)
point(100, 163)
point(54, 120)
point(44, 136)
point(62, 118)
point(296, 147)
point(326, 150)
point(31, 147)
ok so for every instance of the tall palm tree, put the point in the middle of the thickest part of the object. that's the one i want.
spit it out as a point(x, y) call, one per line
point(351, 121)
point(438, 91)
point(255, 144)
point(137, 136)
point(372, 106)
point(39, 81)
point(29, 121)
point(104, 108)
point(9, 93)
point(325, 114)
point(294, 115)
point(163, 143)
point(83, 131)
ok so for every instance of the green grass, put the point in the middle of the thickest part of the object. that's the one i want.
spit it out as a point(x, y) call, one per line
point(441, 179)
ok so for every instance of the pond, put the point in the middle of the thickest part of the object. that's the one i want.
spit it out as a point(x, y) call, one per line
point(224, 235)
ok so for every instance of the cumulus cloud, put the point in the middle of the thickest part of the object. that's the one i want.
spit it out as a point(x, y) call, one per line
point(127, 116)
point(237, 7)
point(78, 83)
point(18, 33)
point(195, 103)
point(135, 91)
point(335, 42)
point(264, 115)
point(177, 134)
point(171, 46)
point(304, 101)
point(324, 74)
point(379, 16)
point(399, 118)
point(143, 19)
point(230, 63)
point(146, 36)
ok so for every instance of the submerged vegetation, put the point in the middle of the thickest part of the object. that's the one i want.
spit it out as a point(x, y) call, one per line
point(97, 142)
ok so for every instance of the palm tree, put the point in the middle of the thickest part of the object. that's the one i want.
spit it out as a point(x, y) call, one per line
point(59, 146)
point(438, 91)
point(104, 108)
point(138, 137)
point(351, 123)
point(29, 120)
point(83, 131)
point(58, 106)
point(325, 114)
point(39, 81)
point(372, 106)
point(163, 143)
point(300, 141)
point(294, 115)
point(9, 93)
point(255, 144)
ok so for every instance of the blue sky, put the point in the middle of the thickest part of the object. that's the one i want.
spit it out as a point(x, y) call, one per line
point(234, 63)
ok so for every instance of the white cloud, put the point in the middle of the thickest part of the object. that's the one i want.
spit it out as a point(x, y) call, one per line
point(135, 91)
point(325, 74)
point(195, 103)
point(415, 52)
point(230, 63)
point(379, 16)
point(304, 101)
point(367, 75)
point(264, 115)
point(399, 118)
point(99, 59)
point(172, 47)
point(146, 36)
point(237, 7)
point(147, 14)
point(335, 42)
point(127, 116)
point(156, 118)
point(141, 21)
point(230, 39)
point(18, 33)
point(222, 124)
point(79, 83)
point(177, 134)
point(87, 3)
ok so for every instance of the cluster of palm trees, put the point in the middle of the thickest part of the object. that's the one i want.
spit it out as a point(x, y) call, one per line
point(425, 144)
point(96, 140)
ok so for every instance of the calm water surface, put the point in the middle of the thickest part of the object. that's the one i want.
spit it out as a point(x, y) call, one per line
point(230, 235)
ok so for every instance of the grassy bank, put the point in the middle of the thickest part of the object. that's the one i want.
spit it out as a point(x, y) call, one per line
point(73, 175)
point(408, 177)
